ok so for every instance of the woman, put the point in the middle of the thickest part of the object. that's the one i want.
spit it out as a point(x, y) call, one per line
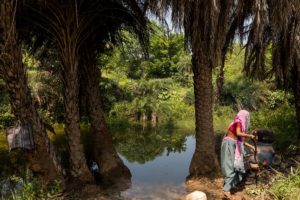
point(232, 151)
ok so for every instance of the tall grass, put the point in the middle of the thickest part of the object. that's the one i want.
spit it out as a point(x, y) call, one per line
point(286, 187)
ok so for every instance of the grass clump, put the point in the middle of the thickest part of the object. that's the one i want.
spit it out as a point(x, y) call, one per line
point(286, 187)
point(30, 190)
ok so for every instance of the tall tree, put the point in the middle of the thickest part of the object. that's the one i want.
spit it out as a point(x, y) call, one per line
point(76, 27)
point(276, 25)
point(66, 25)
point(296, 78)
point(104, 27)
point(42, 160)
point(112, 168)
point(209, 27)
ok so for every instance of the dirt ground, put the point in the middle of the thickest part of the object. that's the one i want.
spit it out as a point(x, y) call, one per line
point(212, 188)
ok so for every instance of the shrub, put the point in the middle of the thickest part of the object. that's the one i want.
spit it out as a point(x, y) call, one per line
point(223, 115)
point(282, 121)
point(244, 93)
point(286, 187)
point(277, 98)
point(31, 190)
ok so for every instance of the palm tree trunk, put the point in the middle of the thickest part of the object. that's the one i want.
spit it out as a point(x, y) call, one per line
point(204, 161)
point(220, 82)
point(296, 79)
point(78, 163)
point(112, 168)
point(42, 160)
point(296, 90)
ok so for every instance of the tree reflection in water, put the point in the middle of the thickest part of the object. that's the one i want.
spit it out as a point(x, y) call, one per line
point(141, 146)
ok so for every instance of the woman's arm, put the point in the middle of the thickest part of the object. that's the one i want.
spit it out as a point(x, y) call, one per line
point(250, 146)
point(242, 134)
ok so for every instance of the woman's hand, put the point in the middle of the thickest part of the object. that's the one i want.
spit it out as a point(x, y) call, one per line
point(253, 137)
point(253, 149)
point(254, 132)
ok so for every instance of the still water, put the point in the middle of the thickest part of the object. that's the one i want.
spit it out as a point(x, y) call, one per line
point(158, 170)
point(158, 160)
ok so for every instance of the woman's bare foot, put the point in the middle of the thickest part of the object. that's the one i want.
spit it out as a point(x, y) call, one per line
point(228, 196)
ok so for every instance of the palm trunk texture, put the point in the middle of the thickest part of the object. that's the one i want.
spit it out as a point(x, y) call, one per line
point(297, 96)
point(220, 84)
point(42, 160)
point(204, 161)
point(78, 164)
point(112, 168)
point(296, 80)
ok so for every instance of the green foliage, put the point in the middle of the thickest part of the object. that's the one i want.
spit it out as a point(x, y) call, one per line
point(6, 119)
point(31, 190)
point(281, 120)
point(167, 56)
point(45, 85)
point(161, 97)
point(275, 98)
point(21, 183)
point(148, 86)
point(189, 97)
point(111, 93)
point(243, 93)
point(186, 124)
point(223, 115)
point(286, 187)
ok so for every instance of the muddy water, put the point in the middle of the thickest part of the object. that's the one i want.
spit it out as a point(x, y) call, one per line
point(159, 162)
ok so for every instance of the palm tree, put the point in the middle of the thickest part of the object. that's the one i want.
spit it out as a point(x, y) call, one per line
point(276, 24)
point(65, 25)
point(78, 31)
point(112, 16)
point(42, 160)
point(111, 168)
point(209, 27)
point(296, 76)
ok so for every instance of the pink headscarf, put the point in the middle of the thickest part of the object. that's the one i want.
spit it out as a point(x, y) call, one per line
point(243, 117)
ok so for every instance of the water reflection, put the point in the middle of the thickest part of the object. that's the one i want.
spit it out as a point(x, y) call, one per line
point(158, 160)
point(145, 145)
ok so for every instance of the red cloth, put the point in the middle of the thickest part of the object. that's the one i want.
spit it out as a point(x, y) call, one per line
point(234, 126)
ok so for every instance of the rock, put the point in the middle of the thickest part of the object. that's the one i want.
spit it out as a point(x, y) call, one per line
point(196, 195)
